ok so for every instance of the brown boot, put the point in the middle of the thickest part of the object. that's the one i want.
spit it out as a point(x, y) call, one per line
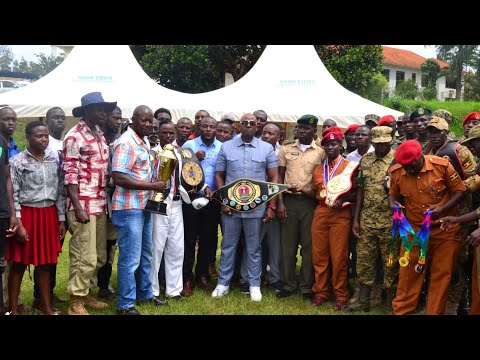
point(212, 271)
point(91, 302)
point(76, 306)
point(376, 296)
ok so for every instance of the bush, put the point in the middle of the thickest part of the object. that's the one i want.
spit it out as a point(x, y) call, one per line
point(429, 93)
point(407, 89)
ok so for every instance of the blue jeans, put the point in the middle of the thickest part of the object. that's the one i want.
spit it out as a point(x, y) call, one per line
point(134, 231)
point(252, 229)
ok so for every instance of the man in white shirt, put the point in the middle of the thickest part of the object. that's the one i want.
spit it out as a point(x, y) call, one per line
point(363, 140)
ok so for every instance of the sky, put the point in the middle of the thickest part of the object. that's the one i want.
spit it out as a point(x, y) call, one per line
point(29, 51)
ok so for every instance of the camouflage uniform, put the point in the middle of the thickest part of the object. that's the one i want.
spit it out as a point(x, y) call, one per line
point(375, 221)
point(397, 140)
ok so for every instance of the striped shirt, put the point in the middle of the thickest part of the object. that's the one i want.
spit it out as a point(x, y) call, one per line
point(85, 162)
point(131, 157)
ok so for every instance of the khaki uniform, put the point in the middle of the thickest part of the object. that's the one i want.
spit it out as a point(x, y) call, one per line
point(375, 221)
point(432, 186)
point(296, 230)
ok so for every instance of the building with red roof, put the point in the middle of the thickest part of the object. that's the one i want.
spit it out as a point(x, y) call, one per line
point(401, 65)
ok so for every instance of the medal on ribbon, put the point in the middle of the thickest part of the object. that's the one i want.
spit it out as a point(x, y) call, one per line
point(327, 175)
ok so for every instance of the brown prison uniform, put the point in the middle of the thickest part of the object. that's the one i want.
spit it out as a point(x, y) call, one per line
point(432, 186)
point(475, 307)
point(330, 233)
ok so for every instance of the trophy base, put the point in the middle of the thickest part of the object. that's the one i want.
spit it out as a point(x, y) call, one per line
point(156, 207)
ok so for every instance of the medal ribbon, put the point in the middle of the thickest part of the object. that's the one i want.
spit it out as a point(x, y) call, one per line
point(403, 227)
point(328, 175)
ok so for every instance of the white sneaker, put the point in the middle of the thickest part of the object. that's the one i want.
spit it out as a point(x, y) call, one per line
point(255, 294)
point(219, 291)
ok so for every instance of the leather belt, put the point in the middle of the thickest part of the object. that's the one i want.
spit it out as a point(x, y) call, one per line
point(177, 197)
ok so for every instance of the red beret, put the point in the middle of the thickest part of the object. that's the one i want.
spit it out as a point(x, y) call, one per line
point(331, 129)
point(386, 120)
point(408, 152)
point(351, 128)
point(474, 115)
point(333, 135)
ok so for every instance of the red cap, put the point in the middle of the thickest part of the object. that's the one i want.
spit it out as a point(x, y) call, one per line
point(474, 115)
point(386, 120)
point(331, 129)
point(351, 128)
point(332, 135)
point(408, 152)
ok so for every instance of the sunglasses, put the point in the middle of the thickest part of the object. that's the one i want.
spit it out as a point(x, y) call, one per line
point(249, 122)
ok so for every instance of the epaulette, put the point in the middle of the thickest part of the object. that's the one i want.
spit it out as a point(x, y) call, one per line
point(288, 142)
point(394, 167)
point(437, 160)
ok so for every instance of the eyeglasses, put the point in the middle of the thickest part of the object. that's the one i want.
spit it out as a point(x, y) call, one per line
point(249, 122)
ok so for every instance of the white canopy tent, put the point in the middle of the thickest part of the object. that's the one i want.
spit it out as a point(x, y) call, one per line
point(287, 82)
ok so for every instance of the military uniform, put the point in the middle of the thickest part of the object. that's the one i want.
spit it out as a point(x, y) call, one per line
point(296, 229)
point(375, 220)
point(432, 186)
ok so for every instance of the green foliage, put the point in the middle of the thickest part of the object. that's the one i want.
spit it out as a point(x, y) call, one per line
point(431, 71)
point(42, 66)
point(472, 86)
point(196, 68)
point(429, 93)
point(6, 57)
point(353, 66)
point(378, 88)
point(407, 89)
point(459, 109)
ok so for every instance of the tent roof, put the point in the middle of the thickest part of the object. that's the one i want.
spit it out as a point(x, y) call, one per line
point(287, 82)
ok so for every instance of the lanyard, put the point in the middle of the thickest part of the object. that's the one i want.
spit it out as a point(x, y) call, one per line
point(328, 175)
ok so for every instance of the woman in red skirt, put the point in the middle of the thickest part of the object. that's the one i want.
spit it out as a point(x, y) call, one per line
point(39, 205)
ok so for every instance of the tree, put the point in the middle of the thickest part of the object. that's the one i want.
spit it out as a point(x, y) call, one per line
point(353, 66)
point(378, 88)
point(21, 66)
point(431, 72)
point(407, 89)
point(458, 56)
point(196, 68)
point(6, 57)
point(42, 66)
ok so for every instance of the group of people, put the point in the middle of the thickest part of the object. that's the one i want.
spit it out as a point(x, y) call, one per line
point(343, 187)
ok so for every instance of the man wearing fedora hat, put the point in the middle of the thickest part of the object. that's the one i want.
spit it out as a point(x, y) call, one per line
point(85, 164)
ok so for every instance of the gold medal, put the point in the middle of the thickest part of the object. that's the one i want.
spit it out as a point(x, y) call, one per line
point(403, 261)
point(323, 194)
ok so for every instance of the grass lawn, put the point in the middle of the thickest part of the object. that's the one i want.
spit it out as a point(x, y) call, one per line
point(235, 303)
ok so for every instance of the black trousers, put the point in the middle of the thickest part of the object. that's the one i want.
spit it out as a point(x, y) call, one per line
point(201, 224)
point(105, 272)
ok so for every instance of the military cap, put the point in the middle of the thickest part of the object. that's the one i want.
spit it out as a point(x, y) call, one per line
point(386, 120)
point(400, 118)
point(228, 117)
point(421, 111)
point(381, 134)
point(408, 152)
point(444, 114)
point(472, 135)
point(474, 115)
point(351, 128)
point(438, 123)
point(308, 120)
point(372, 117)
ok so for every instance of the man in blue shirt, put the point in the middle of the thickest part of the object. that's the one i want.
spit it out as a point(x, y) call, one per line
point(201, 223)
point(8, 124)
point(244, 157)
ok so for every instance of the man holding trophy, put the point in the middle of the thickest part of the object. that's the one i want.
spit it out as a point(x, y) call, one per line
point(131, 174)
point(183, 175)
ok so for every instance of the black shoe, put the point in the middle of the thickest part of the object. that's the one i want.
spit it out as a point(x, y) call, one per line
point(277, 286)
point(245, 288)
point(130, 311)
point(308, 296)
point(284, 293)
point(177, 298)
point(158, 302)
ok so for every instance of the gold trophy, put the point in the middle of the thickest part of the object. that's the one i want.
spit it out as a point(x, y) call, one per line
point(163, 167)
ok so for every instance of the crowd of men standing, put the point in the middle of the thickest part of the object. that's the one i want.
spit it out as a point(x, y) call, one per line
point(343, 186)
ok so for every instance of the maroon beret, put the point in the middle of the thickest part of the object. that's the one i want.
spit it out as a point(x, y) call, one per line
point(386, 120)
point(408, 152)
point(351, 128)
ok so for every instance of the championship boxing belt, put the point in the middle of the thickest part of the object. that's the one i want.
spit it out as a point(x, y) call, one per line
point(340, 184)
point(192, 177)
point(246, 194)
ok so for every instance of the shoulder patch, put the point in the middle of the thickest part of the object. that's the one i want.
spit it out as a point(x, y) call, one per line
point(288, 142)
point(454, 176)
